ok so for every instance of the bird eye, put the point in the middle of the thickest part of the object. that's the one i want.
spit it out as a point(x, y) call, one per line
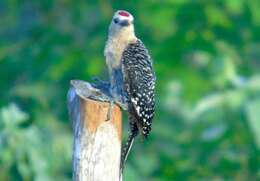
point(116, 20)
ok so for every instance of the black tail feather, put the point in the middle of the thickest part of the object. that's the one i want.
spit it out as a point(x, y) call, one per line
point(129, 142)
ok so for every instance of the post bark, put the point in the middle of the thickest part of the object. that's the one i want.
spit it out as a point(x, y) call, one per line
point(97, 141)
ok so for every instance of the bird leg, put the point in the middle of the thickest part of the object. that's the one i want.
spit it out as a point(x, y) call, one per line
point(104, 86)
point(100, 82)
point(117, 101)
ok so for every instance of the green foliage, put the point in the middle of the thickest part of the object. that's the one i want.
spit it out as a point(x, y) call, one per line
point(206, 57)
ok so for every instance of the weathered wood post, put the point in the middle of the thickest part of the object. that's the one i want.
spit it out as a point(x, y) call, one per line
point(97, 141)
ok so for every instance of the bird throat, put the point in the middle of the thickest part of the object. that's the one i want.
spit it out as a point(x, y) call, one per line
point(115, 46)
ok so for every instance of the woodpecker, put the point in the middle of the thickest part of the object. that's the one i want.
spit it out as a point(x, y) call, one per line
point(132, 79)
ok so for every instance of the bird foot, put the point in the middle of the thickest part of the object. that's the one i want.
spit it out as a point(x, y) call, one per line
point(110, 109)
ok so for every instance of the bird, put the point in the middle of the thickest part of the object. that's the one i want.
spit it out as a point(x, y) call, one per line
point(132, 77)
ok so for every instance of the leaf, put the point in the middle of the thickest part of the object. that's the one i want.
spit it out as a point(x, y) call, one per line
point(12, 115)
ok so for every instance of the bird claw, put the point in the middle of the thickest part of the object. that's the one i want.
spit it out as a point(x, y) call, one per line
point(110, 110)
point(123, 105)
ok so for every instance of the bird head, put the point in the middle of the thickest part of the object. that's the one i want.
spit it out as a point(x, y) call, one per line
point(122, 21)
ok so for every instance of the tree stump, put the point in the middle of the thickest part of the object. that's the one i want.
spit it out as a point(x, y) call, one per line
point(97, 141)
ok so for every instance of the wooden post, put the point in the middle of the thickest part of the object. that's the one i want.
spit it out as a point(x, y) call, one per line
point(97, 141)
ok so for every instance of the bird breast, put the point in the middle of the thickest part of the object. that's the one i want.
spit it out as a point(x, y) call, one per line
point(115, 47)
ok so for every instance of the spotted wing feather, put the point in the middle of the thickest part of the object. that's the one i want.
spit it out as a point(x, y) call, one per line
point(139, 83)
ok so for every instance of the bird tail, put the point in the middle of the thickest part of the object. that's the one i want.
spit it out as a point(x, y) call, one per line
point(129, 142)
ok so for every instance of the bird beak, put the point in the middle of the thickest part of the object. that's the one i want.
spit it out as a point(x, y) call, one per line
point(124, 23)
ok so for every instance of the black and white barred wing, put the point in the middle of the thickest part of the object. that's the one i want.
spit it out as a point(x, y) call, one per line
point(139, 83)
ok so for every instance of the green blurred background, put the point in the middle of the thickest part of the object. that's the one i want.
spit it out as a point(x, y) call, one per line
point(207, 61)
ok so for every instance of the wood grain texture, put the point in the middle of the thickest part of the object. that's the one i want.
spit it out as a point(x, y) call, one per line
point(100, 109)
point(97, 141)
